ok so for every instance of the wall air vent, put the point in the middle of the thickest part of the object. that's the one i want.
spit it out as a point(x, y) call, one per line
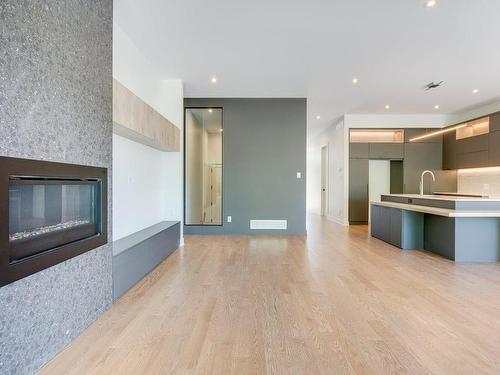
point(268, 224)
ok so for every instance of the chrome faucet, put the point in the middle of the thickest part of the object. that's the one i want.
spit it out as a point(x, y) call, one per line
point(422, 180)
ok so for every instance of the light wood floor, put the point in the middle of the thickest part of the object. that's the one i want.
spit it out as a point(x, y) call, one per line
point(334, 302)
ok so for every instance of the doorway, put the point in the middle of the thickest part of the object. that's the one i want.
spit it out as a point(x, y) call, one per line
point(324, 180)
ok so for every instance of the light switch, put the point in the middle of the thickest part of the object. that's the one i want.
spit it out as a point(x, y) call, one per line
point(229, 219)
point(299, 175)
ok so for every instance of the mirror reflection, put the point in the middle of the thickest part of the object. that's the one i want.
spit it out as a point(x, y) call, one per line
point(203, 183)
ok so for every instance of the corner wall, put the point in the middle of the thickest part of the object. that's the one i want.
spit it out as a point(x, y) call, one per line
point(148, 182)
point(56, 98)
point(333, 137)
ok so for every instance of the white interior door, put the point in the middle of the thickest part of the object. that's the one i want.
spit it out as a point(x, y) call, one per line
point(324, 180)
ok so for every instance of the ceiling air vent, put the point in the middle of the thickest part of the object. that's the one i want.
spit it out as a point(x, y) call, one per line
point(433, 85)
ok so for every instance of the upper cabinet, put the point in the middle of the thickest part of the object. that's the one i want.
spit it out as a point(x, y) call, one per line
point(376, 143)
point(473, 144)
point(494, 140)
point(376, 136)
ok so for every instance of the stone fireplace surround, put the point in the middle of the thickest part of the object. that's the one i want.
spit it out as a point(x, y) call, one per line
point(56, 105)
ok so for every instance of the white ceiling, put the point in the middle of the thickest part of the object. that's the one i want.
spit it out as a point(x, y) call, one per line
point(313, 49)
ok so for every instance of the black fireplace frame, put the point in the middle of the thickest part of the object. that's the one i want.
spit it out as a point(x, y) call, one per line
point(11, 271)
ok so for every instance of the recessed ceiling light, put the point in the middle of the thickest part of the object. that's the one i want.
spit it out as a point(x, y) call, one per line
point(387, 106)
point(436, 106)
point(210, 110)
point(475, 91)
point(430, 3)
point(318, 117)
point(354, 80)
point(214, 79)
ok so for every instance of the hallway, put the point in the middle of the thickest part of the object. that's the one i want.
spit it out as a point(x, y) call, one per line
point(334, 302)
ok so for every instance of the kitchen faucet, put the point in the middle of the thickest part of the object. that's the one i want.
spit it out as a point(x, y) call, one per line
point(422, 180)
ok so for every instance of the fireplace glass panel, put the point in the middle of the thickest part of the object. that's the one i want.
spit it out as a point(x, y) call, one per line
point(49, 213)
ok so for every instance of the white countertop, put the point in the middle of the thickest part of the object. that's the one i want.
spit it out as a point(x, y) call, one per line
point(438, 211)
point(448, 197)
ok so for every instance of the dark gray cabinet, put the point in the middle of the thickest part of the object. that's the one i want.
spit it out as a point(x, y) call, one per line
point(386, 150)
point(494, 149)
point(449, 151)
point(375, 221)
point(358, 191)
point(419, 157)
point(472, 152)
point(386, 224)
point(476, 159)
point(495, 122)
point(398, 227)
point(359, 150)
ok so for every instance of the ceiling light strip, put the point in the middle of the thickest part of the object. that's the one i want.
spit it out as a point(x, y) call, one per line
point(442, 131)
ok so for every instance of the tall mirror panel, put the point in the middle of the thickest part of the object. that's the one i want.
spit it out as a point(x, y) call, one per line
point(203, 184)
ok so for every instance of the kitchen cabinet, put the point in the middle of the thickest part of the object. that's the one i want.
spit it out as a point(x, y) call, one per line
point(495, 122)
point(476, 159)
point(398, 227)
point(494, 149)
point(358, 191)
point(417, 158)
point(472, 152)
point(359, 150)
point(386, 150)
point(386, 224)
point(449, 151)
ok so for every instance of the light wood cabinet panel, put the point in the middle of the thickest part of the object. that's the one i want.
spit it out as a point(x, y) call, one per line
point(136, 120)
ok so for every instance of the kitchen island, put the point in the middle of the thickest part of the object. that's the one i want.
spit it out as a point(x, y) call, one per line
point(463, 229)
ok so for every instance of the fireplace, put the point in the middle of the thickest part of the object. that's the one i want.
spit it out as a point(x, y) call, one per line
point(49, 212)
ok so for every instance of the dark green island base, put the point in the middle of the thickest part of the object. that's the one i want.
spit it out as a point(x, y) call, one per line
point(457, 234)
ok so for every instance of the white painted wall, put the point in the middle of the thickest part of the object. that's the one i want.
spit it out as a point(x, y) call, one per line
point(334, 138)
point(138, 204)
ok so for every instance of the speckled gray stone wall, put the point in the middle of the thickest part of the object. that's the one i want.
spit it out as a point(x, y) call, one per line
point(55, 104)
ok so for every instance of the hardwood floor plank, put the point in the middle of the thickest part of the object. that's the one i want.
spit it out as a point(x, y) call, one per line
point(334, 302)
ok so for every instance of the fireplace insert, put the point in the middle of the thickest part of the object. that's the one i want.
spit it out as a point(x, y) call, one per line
point(49, 212)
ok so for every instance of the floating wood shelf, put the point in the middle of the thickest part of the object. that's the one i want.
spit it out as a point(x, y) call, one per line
point(138, 121)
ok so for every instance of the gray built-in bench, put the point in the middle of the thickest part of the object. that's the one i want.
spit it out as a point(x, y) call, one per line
point(138, 254)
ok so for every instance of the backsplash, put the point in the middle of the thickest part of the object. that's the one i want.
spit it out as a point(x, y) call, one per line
point(485, 181)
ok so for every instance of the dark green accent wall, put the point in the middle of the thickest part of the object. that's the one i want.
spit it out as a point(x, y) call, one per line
point(264, 146)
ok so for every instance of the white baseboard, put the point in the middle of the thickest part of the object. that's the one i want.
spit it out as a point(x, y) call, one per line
point(337, 220)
